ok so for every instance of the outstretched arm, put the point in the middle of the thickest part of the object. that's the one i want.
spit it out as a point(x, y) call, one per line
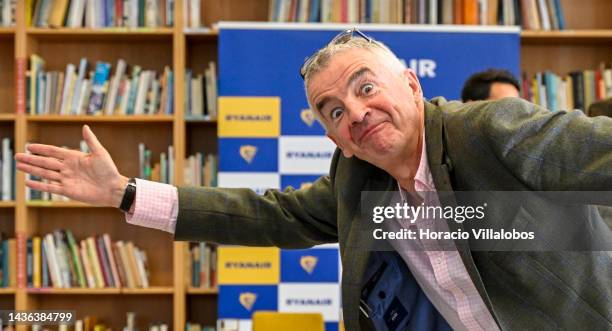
point(87, 177)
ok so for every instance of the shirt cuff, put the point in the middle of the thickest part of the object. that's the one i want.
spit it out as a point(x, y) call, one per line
point(156, 206)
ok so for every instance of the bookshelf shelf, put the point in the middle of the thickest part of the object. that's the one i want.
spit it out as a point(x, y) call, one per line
point(4, 31)
point(126, 34)
point(7, 117)
point(7, 290)
point(149, 291)
point(201, 34)
point(202, 291)
point(59, 204)
point(7, 204)
point(155, 290)
point(567, 37)
point(112, 118)
point(75, 291)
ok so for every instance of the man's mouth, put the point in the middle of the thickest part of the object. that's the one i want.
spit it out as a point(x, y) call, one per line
point(370, 131)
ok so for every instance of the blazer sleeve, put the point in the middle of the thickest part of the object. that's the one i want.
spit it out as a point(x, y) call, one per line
point(549, 151)
point(288, 219)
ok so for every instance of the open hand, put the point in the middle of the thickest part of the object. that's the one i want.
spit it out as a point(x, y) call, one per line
point(91, 178)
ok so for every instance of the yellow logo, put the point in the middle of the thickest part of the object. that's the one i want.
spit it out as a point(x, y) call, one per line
point(308, 117)
point(247, 300)
point(249, 117)
point(247, 152)
point(305, 185)
point(308, 263)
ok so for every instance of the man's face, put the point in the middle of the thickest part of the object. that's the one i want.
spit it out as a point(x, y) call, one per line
point(368, 110)
point(502, 90)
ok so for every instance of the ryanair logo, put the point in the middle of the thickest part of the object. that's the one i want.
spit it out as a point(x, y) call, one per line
point(308, 302)
point(308, 155)
point(248, 118)
point(247, 300)
point(248, 152)
point(305, 185)
point(308, 117)
point(308, 263)
point(248, 265)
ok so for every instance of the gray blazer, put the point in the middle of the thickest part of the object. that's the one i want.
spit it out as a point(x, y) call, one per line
point(507, 145)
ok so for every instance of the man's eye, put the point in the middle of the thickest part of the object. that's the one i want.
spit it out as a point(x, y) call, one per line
point(367, 88)
point(336, 112)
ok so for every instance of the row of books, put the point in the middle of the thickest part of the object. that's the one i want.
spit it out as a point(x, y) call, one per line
point(7, 166)
point(162, 171)
point(56, 260)
point(201, 92)
point(7, 12)
point(100, 13)
point(530, 14)
point(203, 257)
point(8, 258)
point(575, 90)
point(78, 91)
point(201, 170)
point(198, 327)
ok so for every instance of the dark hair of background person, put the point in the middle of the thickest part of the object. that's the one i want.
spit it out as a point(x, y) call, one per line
point(478, 86)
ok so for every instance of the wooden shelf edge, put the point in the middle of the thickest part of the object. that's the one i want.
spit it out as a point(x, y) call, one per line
point(102, 291)
point(100, 31)
point(7, 30)
point(101, 118)
point(149, 290)
point(7, 204)
point(7, 117)
point(47, 290)
point(59, 204)
point(7, 290)
point(203, 291)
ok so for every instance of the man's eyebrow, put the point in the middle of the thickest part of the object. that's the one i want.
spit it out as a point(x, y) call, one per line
point(354, 77)
point(358, 74)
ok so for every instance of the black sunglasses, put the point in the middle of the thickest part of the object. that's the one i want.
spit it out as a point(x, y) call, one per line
point(340, 38)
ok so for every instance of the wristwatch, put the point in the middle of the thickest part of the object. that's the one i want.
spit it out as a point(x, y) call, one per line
point(128, 196)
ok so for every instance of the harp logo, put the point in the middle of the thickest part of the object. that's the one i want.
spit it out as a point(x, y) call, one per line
point(308, 117)
point(248, 152)
point(247, 300)
point(308, 263)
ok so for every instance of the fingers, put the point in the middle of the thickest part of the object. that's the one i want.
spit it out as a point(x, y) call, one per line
point(39, 161)
point(39, 172)
point(48, 150)
point(92, 142)
point(46, 187)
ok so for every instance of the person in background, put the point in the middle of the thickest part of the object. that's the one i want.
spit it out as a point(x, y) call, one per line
point(491, 84)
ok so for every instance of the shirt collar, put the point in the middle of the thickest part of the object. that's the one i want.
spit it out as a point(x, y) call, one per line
point(423, 181)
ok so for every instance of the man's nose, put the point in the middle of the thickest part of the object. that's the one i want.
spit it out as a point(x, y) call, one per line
point(357, 113)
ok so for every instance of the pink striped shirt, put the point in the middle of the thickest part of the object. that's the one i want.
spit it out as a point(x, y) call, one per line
point(441, 274)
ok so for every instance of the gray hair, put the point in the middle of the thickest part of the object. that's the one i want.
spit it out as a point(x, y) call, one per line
point(323, 56)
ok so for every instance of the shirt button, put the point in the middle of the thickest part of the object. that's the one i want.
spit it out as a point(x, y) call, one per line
point(439, 260)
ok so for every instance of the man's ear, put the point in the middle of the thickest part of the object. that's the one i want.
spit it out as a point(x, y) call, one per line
point(345, 152)
point(413, 83)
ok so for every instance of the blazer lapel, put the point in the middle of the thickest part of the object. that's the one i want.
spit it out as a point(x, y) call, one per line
point(360, 244)
point(441, 169)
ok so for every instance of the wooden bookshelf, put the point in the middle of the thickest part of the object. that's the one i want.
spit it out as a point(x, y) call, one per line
point(58, 204)
point(101, 118)
point(586, 42)
point(202, 291)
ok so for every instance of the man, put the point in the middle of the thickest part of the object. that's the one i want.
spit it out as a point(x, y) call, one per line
point(389, 136)
point(491, 84)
